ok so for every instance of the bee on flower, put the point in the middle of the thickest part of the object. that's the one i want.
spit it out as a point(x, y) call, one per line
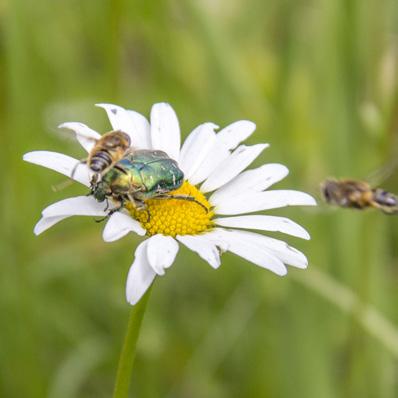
point(199, 195)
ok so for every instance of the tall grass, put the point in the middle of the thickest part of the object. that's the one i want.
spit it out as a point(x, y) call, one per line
point(320, 80)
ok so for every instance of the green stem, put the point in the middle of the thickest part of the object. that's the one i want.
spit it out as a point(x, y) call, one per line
point(127, 355)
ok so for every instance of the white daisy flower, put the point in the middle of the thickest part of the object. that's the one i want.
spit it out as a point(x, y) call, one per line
point(213, 165)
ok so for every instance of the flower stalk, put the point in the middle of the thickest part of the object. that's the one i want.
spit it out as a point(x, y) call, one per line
point(127, 355)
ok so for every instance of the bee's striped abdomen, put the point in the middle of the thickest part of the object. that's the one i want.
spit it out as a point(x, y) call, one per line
point(100, 161)
point(385, 199)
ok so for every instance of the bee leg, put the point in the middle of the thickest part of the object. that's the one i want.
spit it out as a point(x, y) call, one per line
point(94, 184)
point(81, 161)
point(120, 168)
point(389, 210)
point(183, 197)
point(95, 180)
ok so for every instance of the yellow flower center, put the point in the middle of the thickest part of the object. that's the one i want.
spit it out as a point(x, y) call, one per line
point(188, 215)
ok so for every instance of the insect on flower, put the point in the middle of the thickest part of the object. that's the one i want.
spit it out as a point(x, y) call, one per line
point(209, 193)
point(122, 173)
point(107, 151)
point(141, 175)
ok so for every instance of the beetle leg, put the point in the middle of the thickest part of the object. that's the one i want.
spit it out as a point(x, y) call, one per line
point(148, 214)
point(183, 197)
point(102, 219)
point(107, 204)
point(142, 181)
point(139, 205)
point(110, 212)
point(132, 200)
point(120, 207)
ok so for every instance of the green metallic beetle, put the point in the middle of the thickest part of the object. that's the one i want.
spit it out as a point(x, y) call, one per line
point(141, 175)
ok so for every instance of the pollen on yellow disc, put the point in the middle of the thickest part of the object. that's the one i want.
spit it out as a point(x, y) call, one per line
point(175, 216)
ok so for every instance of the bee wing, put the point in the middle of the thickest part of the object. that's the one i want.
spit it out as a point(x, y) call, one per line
point(383, 173)
point(86, 136)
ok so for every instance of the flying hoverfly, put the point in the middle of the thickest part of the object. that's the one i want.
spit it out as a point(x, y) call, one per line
point(358, 195)
point(140, 175)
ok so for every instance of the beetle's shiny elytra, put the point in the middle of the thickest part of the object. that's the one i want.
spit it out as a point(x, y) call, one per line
point(141, 175)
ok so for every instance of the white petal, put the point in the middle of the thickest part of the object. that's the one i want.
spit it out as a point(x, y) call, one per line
point(227, 139)
point(257, 201)
point(142, 135)
point(264, 223)
point(161, 252)
point(214, 158)
point(58, 211)
point(251, 180)
point(119, 225)
point(206, 248)
point(287, 254)
point(61, 163)
point(84, 134)
point(232, 166)
point(129, 122)
point(232, 135)
point(46, 223)
point(140, 276)
point(196, 147)
point(77, 206)
point(245, 246)
point(165, 130)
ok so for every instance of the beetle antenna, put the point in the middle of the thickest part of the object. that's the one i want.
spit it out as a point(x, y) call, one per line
point(183, 197)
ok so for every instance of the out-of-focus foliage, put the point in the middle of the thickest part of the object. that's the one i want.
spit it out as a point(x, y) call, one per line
point(320, 80)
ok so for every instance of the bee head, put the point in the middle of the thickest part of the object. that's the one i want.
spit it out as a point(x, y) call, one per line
point(327, 189)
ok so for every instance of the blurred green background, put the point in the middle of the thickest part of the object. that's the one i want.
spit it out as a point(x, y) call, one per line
point(320, 80)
